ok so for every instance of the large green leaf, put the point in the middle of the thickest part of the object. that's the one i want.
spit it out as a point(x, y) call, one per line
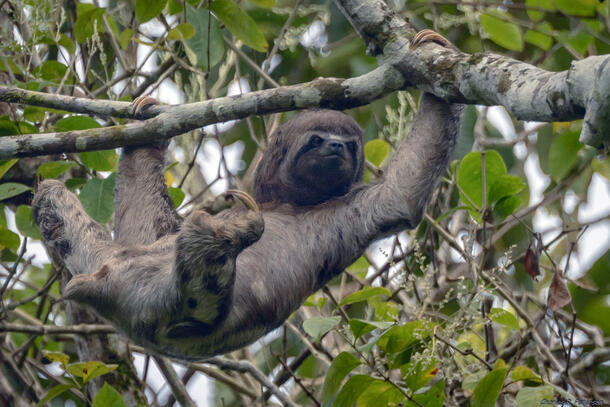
point(352, 389)
point(578, 7)
point(376, 151)
point(469, 176)
point(97, 197)
point(364, 294)
point(25, 222)
point(360, 327)
point(54, 392)
point(534, 396)
point(149, 9)
point(11, 189)
point(90, 370)
point(108, 396)
point(103, 160)
point(338, 369)
point(488, 390)
point(7, 165)
point(563, 154)
point(88, 18)
point(197, 45)
point(380, 393)
point(240, 24)
point(399, 338)
point(77, 122)
point(433, 397)
point(501, 31)
point(525, 373)
point(318, 326)
point(504, 317)
point(534, 5)
point(53, 169)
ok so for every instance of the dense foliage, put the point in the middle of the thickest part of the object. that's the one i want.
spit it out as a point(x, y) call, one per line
point(494, 298)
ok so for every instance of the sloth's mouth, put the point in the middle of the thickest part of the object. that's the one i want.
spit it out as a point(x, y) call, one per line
point(335, 155)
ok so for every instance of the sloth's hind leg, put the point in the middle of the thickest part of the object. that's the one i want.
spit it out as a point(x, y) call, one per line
point(69, 233)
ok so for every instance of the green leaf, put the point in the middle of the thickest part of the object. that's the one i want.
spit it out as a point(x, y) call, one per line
point(375, 151)
point(240, 24)
point(505, 207)
point(504, 317)
point(8, 239)
point(337, 371)
point(67, 43)
point(125, 38)
point(488, 390)
point(25, 222)
point(71, 123)
point(53, 169)
point(505, 185)
point(399, 338)
point(536, 15)
point(182, 31)
point(57, 357)
point(469, 177)
point(6, 165)
point(97, 197)
point(52, 71)
point(197, 46)
point(534, 396)
point(360, 327)
point(316, 327)
point(108, 396)
point(578, 7)
point(7, 127)
point(149, 9)
point(177, 196)
point(103, 160)
point(539, 39)
point(11, 189)
point(33, 114)
point(434, 397)
point(501, 31)
point(418, 373)
point(525, 373)
point(89, 370)
point(364, 294)
point(563, 154)
point(352, 389)
point(54, 392)
point(263, 3)
point(88, 18)
point(380, 393)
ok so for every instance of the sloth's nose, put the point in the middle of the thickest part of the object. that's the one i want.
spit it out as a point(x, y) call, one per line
point(335, 147)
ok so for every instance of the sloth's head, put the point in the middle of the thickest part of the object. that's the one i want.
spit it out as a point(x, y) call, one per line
point(312, 158)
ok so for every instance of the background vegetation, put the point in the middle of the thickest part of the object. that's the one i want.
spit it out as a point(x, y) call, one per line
point(494, 298)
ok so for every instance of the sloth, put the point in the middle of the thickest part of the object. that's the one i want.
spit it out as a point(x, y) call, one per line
point(211, 284)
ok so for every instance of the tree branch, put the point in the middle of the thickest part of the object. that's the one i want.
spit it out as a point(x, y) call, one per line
point(527, 92)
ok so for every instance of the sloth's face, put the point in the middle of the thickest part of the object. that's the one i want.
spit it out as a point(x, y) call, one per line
point(327, 163)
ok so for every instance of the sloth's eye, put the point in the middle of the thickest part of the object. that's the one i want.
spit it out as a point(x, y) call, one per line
point(316, 140)
point(352, 146)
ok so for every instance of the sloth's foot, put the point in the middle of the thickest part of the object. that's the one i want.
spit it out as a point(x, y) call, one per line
point(67, 230)
point(428, 35)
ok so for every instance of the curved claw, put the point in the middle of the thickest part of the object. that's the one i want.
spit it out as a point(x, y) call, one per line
point(428, 35)
point(141, 103)
point(245, 197)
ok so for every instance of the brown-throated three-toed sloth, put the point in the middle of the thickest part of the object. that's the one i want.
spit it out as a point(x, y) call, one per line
point(212, 284)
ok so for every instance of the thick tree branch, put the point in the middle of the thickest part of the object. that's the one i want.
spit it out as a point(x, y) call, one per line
point(527, 92)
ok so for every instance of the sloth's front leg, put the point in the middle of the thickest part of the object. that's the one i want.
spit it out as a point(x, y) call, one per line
point(68, 232)
point(206, 250)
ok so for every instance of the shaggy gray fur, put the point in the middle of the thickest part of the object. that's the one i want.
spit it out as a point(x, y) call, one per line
point(222, 282)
